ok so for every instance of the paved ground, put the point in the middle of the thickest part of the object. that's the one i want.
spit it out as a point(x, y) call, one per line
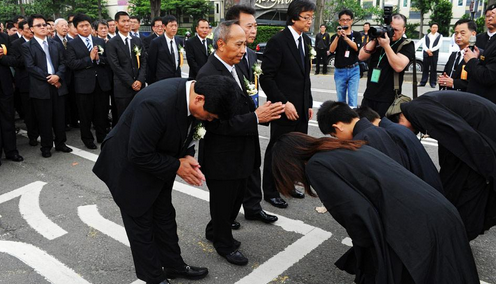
point(59, 224)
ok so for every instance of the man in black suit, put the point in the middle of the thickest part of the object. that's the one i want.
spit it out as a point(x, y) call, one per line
point(112, 28)
point(18, 34)
point(126, 57)
point(86, 57)
point(230, 151)
point(454, 76)
point(286, 79)
point(140, 172)
point(197, 49)
point(21, 79)
point(165, 53)
point(135, 26)
point(482, 67)
point(253, 195)
point(483, 38)
point(44, 59)
point(157, 30)
point(322, 44)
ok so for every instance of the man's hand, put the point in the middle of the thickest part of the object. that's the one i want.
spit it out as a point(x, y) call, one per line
point(189, 171)
point(53, 79)
point(1, 52)
point(469, 54)
point(290, 111)
point(94, 53)
point(136, 85)
point(429, 52)
point(445, 81)
point(383, 42)
point(269, 111)
point(310, 113)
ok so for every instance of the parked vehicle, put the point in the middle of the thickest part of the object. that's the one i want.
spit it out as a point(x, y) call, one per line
point(444, 53)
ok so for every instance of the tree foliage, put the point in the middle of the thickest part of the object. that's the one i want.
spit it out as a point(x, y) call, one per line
point(196, 9)
point(333, 7)
point(442, 14)
point(424, 7)
point(140, 8)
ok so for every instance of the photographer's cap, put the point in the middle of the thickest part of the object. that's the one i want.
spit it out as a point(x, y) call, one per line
point(491, 7)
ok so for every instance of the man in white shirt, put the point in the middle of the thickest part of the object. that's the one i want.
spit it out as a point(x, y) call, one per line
point(431, 44)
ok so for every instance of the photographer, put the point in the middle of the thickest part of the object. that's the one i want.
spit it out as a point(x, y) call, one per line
point(346, 44)
point(384, 62)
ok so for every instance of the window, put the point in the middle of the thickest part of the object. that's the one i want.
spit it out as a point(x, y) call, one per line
point(405, 3)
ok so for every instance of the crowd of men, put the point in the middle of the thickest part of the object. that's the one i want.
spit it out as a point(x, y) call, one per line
point(72, 75)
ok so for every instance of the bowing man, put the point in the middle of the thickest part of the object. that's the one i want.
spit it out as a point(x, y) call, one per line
point(141, 157)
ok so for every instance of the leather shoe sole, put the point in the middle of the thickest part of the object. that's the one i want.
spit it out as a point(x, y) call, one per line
point(188, 272)
point(277, 202)
point(236, 258)
point(235, 225)
point(64, 149)
point(91, 146)
point(262, 216)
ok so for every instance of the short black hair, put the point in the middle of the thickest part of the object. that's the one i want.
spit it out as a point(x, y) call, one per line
point(168, 19)
point(119, 14)
point(99, 22)
point(79, 18)
point(156, 19)
point(472, 26)
point(432, 24)
point(345, 12)
point(35, 16)
point(368, 113)
point(332, 112)
point(22, 24)
point(219, 98)
point(490, 8)
point(17, 17)
point(200, 20)
point(135, 18)
point(296, 8)
point(322, 25)
point(9, 25)
point(366, 23)
point(234, 12)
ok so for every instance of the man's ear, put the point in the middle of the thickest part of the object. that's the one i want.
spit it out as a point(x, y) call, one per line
point(338, 126)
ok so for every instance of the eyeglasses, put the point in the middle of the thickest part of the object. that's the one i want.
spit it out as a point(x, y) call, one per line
point(40, 25)
point(308, 19)
point(345, 20)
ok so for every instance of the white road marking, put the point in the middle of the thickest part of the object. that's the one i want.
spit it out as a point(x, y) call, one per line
point(90, 216)
point(347, 242)
point(44, 264)
point(29, 207)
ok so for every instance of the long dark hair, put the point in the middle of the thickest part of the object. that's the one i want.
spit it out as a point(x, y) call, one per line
point(291, 153)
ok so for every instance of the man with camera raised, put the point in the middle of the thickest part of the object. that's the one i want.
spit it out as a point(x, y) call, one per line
point(346, 43)
point(385, 60)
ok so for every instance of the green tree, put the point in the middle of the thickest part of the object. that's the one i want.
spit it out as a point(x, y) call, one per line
point(442, 14)
point(424, 7)
point(195, 8)
point(333, 7)
point(93, 8)
point(140, 8)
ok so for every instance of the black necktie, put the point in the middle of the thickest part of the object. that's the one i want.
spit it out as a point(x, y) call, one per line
point(455, 63)
point(300, 49)
point(127, 46)
point(244, 65)
point(206, 50)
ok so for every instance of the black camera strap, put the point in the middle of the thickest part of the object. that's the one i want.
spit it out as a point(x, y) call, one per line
point(397, 75)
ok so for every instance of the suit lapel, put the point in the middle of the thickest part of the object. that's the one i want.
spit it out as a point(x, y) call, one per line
point(294, 50)
point(34, 44)
point(53, 54)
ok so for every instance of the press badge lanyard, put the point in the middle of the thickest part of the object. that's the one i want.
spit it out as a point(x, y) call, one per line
point(376, 72)
point(347, 52)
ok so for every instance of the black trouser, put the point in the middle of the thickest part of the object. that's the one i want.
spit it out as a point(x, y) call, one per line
point(321, 59)
point(226, 197)
point(121, 104)
point(7, 125)
point(277, 131)
point(93, 108)
point(50, 114)
point(29, 116)
point(430, 65)
point(18, 102)
point(380, 107)
point(253, 194)
point(113, 109)
point(153, 238)
point(71, 109)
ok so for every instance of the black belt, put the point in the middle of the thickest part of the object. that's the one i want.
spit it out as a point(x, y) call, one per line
point(349, 66)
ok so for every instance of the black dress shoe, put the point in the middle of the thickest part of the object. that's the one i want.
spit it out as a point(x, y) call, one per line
point(235, 225)
point(277, 202)
point(63, 148)
point(15, 158)
point(188, 272)
point(236, 243)
point(33, 142)
point(46, 153)
point(421, 85)
point(297, 194)
point(433, 85)
point(236, 257)
point(67, 128)
point(262, 216)
point(90, 145)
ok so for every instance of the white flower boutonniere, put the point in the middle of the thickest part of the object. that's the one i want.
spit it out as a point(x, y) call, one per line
point(100, 50)
point(312, 52)
point(257, 69)
point(211, 49)
point(251, 89)
point(137, 50)
point(199, 132)
point(181, 49)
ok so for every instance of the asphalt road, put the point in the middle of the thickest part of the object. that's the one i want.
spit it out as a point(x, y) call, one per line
point(59, 224)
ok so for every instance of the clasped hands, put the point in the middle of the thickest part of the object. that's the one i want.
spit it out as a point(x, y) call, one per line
point(269, 111)
point(190, 172)
point(54, 80)
point(445, 81)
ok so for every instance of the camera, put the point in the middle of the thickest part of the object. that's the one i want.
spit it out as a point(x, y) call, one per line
point(381, 31)
point(343, 28)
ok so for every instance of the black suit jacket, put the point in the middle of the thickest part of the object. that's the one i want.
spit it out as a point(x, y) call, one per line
point(147, 40)
point(125, 66)
point(135, 170)
point(36, 64)
point(458, 83)
point(14, 37)
point(87, 73)
point(482, 40)
point(482, 72)
point(284, 77)
point(68, 72)
point(196, 55)
point(252, 59)
point(21, 76)
point(5, 63)
point(230, 149)
point(161, 65)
